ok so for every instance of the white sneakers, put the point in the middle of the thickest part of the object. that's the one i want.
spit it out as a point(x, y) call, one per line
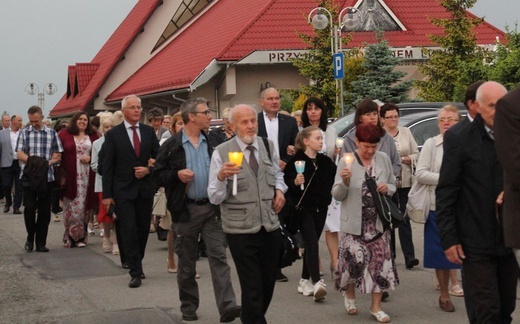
point(319, 291)
point(306, 288)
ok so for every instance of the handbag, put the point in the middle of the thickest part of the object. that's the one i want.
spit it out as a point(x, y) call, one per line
point(60, 177)
point(418, 205)
point(388, 212)
point(290, 248)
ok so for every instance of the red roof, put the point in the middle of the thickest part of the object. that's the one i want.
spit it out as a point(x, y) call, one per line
point(88, 78)
point(232, 29)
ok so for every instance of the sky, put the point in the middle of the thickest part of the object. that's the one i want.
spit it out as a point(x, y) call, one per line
point(41, 38)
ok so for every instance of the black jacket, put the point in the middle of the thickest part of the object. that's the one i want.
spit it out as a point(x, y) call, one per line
point(469, 183)
point(35, 173)
point(319, 195)
point(170, 160)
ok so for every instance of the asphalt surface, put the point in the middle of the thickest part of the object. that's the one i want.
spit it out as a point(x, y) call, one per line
point(88, 286)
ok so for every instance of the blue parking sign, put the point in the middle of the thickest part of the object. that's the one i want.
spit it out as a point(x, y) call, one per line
point(339, 72)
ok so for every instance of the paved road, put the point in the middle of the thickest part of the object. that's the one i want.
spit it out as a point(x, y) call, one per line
point(88, 286)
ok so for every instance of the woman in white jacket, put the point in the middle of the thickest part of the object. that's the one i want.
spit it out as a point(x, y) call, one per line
point(428, 168)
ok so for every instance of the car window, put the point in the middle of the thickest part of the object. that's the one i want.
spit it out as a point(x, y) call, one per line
point(424, 129)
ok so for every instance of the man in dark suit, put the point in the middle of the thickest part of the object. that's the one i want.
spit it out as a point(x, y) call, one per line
point(129, 150)
point(507, 135)
point(11, 166)
point(470, 181)
point(471, 104)
point(281, 129)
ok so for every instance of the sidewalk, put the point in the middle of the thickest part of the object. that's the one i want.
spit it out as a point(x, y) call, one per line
point(87, 286)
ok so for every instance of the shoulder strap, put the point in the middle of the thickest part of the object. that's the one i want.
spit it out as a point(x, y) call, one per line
point(266, 144)
point(308, 185)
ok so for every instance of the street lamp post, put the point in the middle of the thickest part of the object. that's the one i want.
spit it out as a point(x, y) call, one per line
point(48, 88)
point(348, 20)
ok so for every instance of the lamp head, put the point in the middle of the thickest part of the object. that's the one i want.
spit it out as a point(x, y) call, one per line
point(350, 20)
point(320, 20)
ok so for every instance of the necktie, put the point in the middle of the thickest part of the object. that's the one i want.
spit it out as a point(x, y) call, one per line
point(137, 142)
point(253, 163)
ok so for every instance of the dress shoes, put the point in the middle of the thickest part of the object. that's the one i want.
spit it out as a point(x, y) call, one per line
point(41, 249)
point(280, 277)
point(230, 314)
point(17, 211)
point(135, 282)
point(142, 275)
point(6, 209)
point(189, 317)
point(29, 246)
point(446, 305)
point(410, 263)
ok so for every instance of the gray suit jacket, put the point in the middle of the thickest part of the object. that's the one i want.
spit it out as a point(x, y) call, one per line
point(6, 149)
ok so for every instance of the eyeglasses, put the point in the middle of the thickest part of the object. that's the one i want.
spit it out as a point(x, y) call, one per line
point(391, 117)
point(205, 112)
point(449, 120)
point(139, 108)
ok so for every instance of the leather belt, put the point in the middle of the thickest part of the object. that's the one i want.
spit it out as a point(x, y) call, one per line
point(202, 201)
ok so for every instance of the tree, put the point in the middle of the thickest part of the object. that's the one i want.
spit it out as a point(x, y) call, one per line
point(381, 80)
point(447, 70)
point(506, 67)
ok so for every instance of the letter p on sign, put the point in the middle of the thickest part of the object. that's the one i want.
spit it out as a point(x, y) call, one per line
point(338, 66)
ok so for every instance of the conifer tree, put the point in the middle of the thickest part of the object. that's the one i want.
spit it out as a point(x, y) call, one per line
point(380, 81)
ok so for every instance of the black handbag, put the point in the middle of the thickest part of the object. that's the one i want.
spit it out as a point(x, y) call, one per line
point(290, 248)
point(388, 212)
point(60, 177)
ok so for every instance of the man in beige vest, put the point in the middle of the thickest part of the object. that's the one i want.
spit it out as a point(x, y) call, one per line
point(250, 218)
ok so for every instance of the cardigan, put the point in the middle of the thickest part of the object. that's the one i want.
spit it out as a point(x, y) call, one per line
point(406, 145)
point(429, 165)
point(69, 163)
point(318, 195)
point(350, 196)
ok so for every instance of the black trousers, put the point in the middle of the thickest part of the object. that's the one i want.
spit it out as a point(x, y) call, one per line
point(257, 259)
point(37, 226)
point(491, 281)
point(10, 177)
point(405, 230)
point(311, 227)
point(133, 216)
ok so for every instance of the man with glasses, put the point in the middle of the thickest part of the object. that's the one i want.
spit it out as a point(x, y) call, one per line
point(127, 152)
point(182, 168)
point(468, 216)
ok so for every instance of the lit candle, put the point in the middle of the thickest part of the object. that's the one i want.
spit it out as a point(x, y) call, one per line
point(235, 157)
point(349, 158)
point(339, 144)
point(300, 168)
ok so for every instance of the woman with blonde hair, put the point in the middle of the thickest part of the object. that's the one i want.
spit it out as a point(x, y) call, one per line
point(428, 168)
point(312, 201)
point(105, 120)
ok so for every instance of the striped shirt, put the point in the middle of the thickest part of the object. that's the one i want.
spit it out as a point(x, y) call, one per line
point(42, 143)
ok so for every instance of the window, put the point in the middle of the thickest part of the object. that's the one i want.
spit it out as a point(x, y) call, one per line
point(187, 9)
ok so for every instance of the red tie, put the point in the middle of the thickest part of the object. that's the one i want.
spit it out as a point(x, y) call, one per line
point(137, 143)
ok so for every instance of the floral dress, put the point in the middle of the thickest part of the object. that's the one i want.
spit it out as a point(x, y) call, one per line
point(366, 260)
point(75, 215)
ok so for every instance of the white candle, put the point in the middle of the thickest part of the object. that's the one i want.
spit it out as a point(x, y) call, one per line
point(235, 157)
point(349, 158)
point(339, 144)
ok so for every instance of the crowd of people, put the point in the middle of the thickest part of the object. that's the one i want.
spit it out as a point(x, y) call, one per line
point(291, 175)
